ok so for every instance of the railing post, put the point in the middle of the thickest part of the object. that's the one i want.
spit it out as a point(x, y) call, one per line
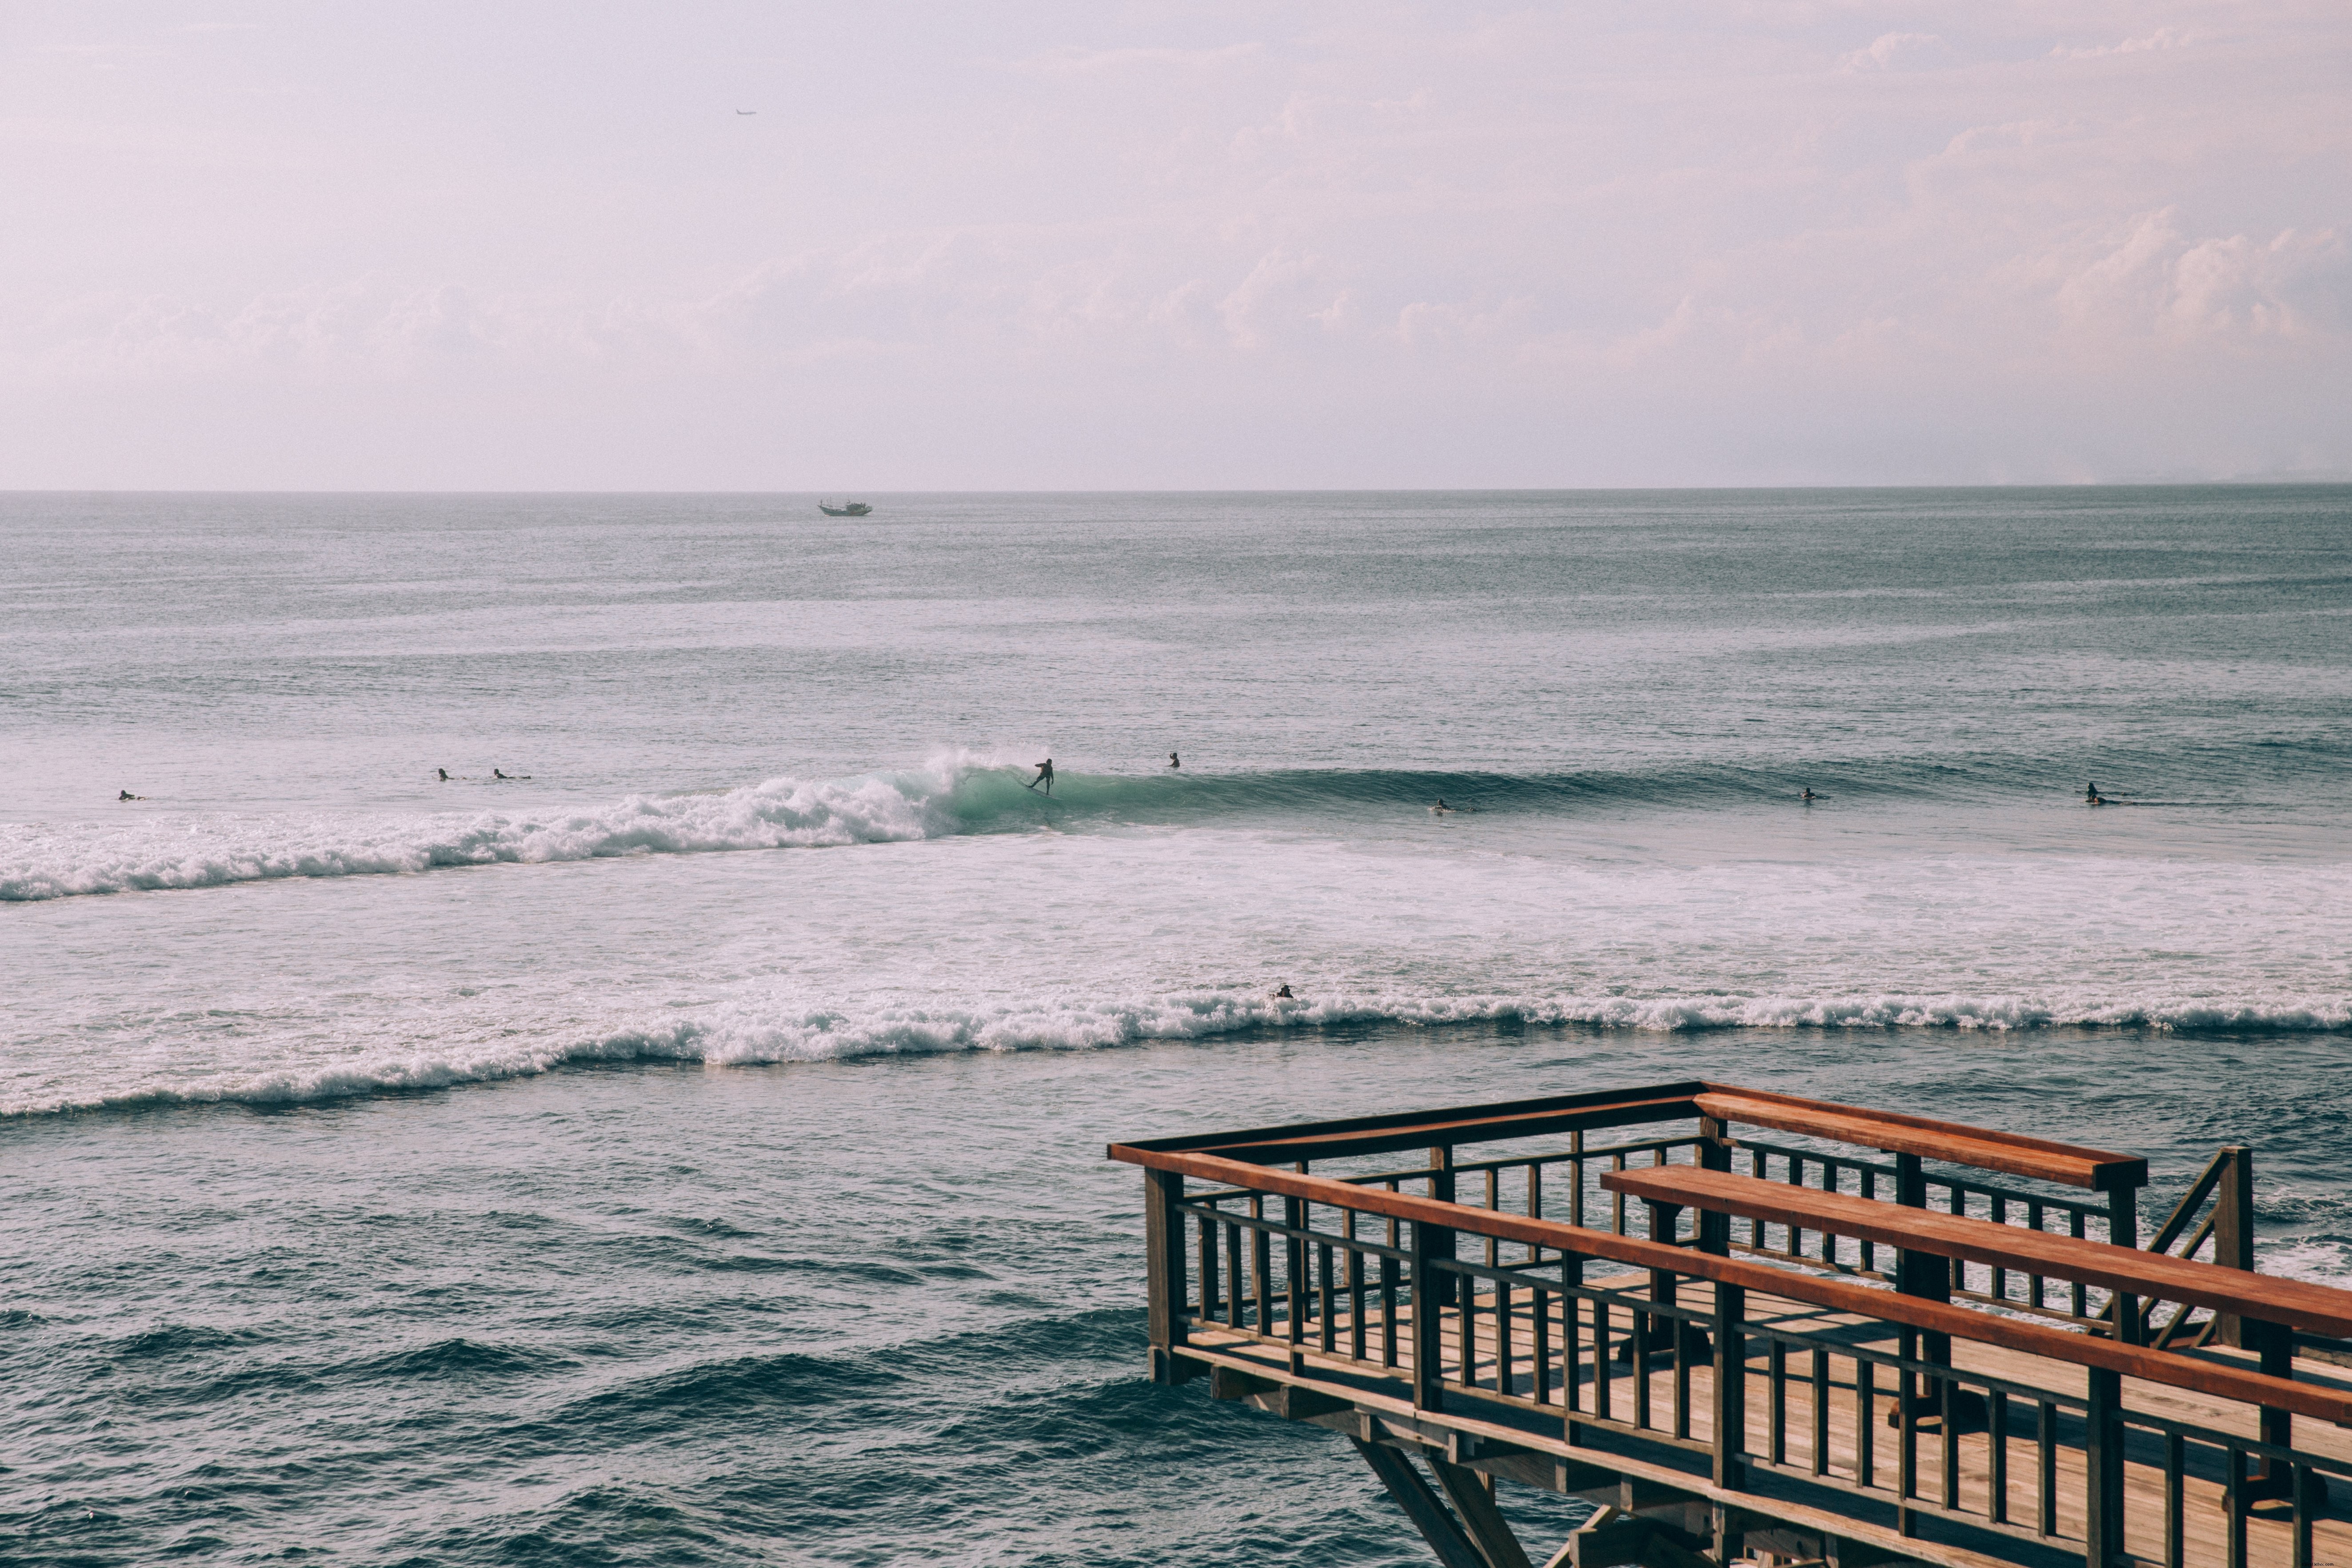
point(2123, 1217)
point(1714, 1154)
point(1163, 1254)
point(2103, 1470)
point(1442, 1243)
point(1730, 1386)
point(1428, 1316)
point(2275, 1345)
point(1926, 1274)
point(2233, 1230)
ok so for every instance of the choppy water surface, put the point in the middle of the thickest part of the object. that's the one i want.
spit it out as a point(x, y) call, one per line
point(626, 1294)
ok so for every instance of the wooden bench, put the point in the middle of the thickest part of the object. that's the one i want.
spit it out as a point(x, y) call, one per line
point(2289, 1302)
point(2270, 1308)
point(2068, 1164)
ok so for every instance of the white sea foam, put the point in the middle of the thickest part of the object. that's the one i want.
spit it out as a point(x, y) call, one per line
point(166, 852)
point(745, 1034)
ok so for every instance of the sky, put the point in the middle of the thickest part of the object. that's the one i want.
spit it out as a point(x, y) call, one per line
point(928, 246)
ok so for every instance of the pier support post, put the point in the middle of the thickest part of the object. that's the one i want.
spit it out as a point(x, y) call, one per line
point(1163, 1261)
point(1715, 1154)
point(1442, 1243)
point(1428, 1315)
point(1730, 1467)
point(1421, 1506)
point(2233, 1230)
point(2103, 1470)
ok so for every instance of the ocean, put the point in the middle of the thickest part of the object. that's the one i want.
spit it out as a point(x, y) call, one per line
point(688, 1148)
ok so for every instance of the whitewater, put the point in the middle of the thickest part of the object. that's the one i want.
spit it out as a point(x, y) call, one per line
point(1624, 694)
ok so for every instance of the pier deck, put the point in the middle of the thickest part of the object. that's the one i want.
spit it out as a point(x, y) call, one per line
point(1733, 1383)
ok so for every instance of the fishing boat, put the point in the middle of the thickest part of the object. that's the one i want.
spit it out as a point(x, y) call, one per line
point(846, 509)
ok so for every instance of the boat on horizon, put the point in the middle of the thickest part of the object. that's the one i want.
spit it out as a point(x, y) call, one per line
point(846, 509)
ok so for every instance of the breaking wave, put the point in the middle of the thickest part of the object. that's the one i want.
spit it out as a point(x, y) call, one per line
point(744, 1034)
point(951, 795)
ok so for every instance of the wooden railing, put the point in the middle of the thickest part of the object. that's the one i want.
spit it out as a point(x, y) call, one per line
point(1365, 1273)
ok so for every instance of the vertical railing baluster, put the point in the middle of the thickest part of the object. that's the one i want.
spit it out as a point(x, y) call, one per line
point(1997, 1457)
point(1262, 1269)
point(1680, 1329)
point(1355, 1302)
point(2081, 1293)
point(2234, 1508)
point(1776, 1396)
point(1329, 1328)
point(1999, 1291)
point(1640, 1343)
point(1294, 1270)
point(1865, 1423)
point(2175, 1467)
point(1949, 1414)
point(1906, 1452)
point(1570, 1352)
point(1502, 1336)
point(1576, 1193)
point(1534, 1207)
point(2035, 1284)
point(1617, 1200)
point(1601, 1360)
point(1466, 1286)
point(1869, 1190)
point(2299, 1477)
point(1388, 1309)
point(2045, 1461)
point(1821, 1411)
point(1541, 1330)
point(1759, 1164)
point(1212, 1295)
point(1494, 1203)
point(1235, 1280)
point(1796, 1233)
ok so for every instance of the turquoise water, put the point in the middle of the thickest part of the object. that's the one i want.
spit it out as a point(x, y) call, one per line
point(688, 1151)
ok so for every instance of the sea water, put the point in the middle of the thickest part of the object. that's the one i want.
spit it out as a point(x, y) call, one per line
point(688, 1148)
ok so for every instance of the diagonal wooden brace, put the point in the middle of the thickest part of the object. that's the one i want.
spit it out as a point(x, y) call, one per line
point(1421, 1505)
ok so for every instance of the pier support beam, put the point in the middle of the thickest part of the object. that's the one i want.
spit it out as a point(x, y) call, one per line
point(1473, 1497)
point(1421, 1506)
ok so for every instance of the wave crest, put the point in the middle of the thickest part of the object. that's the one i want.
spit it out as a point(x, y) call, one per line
point(744, 1034)
point(778, 814)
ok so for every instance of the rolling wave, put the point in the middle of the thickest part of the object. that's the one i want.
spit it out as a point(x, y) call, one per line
point(950, 796)
point(741, 1036)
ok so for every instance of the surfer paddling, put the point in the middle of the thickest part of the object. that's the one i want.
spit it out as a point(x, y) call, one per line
point(1045, 776)
point(126, 794)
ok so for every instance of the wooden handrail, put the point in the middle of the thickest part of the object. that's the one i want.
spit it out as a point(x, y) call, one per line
point(2170, 1368)
point(2158, 1275)
point(2100, 1169)
point(1430, 1129)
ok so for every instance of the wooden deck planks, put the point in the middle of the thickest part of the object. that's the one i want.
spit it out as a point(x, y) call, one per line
point(2269, 1538)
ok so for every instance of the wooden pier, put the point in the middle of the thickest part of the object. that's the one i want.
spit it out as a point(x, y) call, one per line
point(1762, 1328)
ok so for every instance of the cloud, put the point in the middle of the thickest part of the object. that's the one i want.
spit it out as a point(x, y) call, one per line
point(2162, 38)
point(2158, 280)
point(1897, 52)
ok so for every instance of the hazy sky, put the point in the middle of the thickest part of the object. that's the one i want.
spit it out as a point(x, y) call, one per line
point(1103, 244)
